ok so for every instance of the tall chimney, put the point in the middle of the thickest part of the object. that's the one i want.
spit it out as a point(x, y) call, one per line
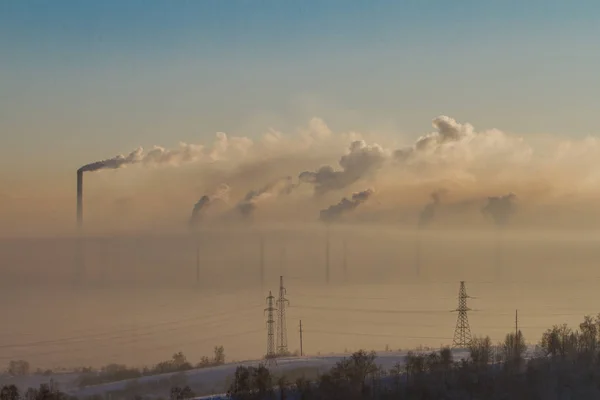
point(327, 254)
point(79, 251)
point(79, 199)
point(262, 261)
point(418, 254)
point(345, 258)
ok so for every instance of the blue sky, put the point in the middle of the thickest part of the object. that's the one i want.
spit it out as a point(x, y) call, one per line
point(81, 80)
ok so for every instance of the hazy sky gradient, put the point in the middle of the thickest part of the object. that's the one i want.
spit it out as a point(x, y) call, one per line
point(86, 80)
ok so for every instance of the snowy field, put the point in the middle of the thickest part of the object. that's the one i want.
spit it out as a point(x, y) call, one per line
point(211, 380)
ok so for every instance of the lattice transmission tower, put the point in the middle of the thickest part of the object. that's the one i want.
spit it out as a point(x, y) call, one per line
point(462, 333)
point(270, 329)
point(282, 302)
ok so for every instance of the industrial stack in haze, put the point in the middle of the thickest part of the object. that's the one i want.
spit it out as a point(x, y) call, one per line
point(248, 205)
point(111, 163)
point(425, 218)
point(333, 213)
point(221, 194)
point(500, 209)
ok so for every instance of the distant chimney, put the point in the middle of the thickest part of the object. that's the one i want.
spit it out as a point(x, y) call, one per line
point(79, 199)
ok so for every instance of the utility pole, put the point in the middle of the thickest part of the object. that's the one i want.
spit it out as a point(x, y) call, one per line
point(282, 302)
point(462, 332)
point(301, 350)
point(270, 331)
point(516, 334)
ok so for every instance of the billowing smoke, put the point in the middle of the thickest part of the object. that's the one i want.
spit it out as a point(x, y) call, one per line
point(185, 153)
point(428, 212)
point(335, 211)
point(220, 194)
point(500, 208)
point(447, 131)
point(115, 162)
point(283, 186)
point(360, 160)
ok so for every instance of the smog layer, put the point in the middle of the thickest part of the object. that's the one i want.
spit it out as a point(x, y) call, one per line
point(486, 206)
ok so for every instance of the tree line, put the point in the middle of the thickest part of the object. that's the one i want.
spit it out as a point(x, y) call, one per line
point(564, 364)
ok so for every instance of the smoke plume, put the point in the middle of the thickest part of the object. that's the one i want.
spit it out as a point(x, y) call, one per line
point(185, 153)
point(447, 131)
point(335, 211)
point(360, 160)
point(428, 212)
point(220, 194)
point(500, 208)
point(115, 162)
point(283, 186)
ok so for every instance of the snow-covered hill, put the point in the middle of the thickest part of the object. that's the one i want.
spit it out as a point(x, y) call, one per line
point(216, 379)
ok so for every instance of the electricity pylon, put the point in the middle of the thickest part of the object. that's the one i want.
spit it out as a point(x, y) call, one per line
point(282, 302)
point(270, 330)
point(462, 333)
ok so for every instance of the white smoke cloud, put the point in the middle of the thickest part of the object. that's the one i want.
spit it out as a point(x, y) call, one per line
point(500, 208)
point(221, 194)
point(471, 163)
point(458, 145)
point(283, 186)
point(428, 212)
point(334, 212)
point(224, 148)
point(360, 160)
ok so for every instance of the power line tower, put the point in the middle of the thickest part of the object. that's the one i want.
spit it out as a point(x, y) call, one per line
point(270, 330)
point(462, 333)
point(282, 302)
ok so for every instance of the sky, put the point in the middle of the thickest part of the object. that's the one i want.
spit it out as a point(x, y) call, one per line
point(85, 81)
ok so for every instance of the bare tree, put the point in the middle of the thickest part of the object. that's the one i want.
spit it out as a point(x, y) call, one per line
point(481, 350)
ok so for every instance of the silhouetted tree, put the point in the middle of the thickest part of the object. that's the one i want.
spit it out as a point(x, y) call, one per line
point(178, 393)
point(251, 383)
point(559, 340)
point(9, 392)
point(303, 388)
point(480, 351)
point(513, 349)
point(219, 355)
point(18, 367)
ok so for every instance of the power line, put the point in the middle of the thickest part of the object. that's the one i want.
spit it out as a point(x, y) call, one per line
point(111, 334)
point(371, 310)
point(346, 333)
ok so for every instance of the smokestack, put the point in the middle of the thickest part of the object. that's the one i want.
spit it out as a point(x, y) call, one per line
point(345, 258)
point(262, 261)
point(499, 254)
point(418, 255)
point(79, 251)
point(79, 199)
point(327, 253)
point(197, 261)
